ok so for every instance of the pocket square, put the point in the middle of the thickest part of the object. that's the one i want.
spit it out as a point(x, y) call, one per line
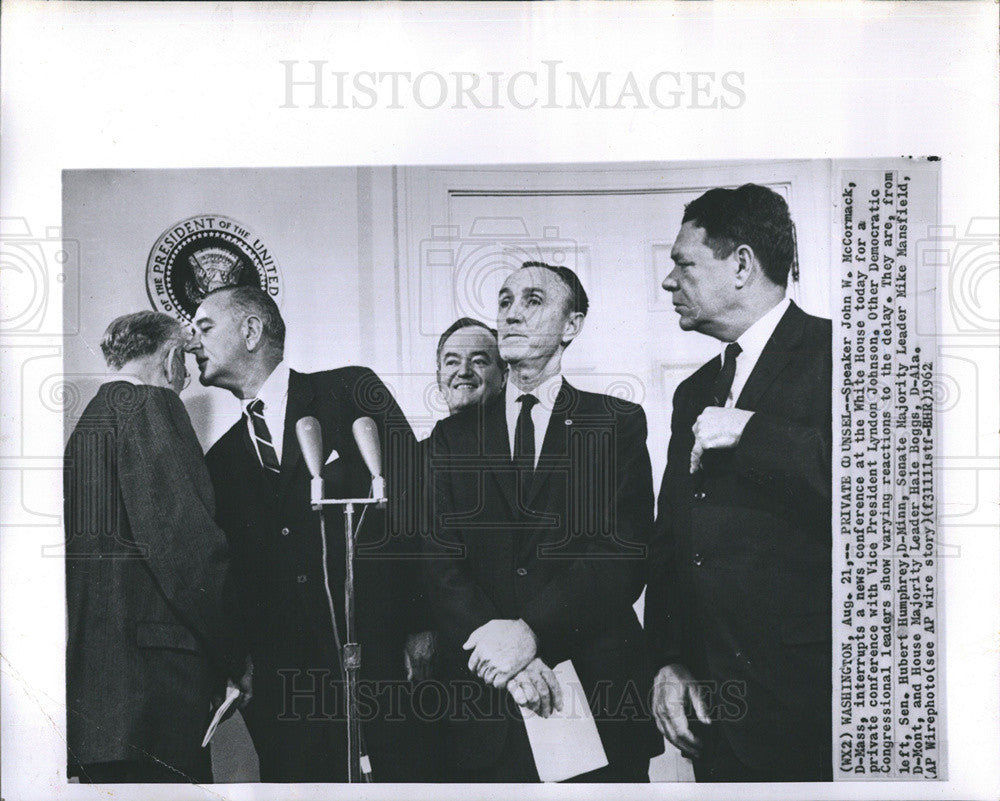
point(332, 457)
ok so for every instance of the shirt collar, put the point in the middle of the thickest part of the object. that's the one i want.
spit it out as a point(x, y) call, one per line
point(274, 390)
point(129, 378)
point(546, 392)
point(753, 340)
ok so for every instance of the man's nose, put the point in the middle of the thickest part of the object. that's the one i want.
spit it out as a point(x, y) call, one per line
point(193, 344)
point(670, 283)
point(465, 367)
point(515, 313)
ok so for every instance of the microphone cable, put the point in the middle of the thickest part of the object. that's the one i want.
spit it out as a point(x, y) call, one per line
point(365, 761)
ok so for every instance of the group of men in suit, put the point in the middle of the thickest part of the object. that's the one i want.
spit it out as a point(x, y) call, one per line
point(533, 505)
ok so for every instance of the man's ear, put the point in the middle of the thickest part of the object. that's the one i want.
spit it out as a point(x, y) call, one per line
point(746, 263)
point(573, 327)
point(168, 364)
point(253, 332)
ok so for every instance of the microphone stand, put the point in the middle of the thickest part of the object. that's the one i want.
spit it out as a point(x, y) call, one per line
point(358, 764)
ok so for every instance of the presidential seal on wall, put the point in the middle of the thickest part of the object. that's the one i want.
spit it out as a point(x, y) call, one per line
point(202, 253)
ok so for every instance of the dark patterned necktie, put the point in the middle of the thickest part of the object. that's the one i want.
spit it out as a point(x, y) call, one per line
point(265, 446)
point(724, 380)
point(524, 433)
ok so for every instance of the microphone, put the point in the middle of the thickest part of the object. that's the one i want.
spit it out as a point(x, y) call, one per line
point(310, 437)
point(366, 436)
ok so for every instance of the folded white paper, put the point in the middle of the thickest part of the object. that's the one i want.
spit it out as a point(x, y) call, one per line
point(566, 743)
point(232, 693)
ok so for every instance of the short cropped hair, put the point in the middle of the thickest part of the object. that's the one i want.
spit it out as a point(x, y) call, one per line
point(253, 301)
point(138, 335)
point(751, 215)
point(578, 301)
point(458, 325)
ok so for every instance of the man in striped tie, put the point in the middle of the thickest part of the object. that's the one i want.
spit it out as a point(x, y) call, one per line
point(738, 602)
point(292, 578)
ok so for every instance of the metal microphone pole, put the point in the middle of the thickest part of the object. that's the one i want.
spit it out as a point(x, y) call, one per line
point(352, 651)
point(310, 440)
point(358, 765)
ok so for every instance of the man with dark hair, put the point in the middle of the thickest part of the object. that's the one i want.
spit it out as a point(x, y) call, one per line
point(469, 367)
point(469, 373)
point(752, 215)
point(738, 602)
point(577, 300)
point(291, 578)
point(542, 505)
point(150, 618)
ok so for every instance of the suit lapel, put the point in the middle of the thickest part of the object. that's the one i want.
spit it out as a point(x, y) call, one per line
point(773, 358)
point(246, 464)
point(496, 449)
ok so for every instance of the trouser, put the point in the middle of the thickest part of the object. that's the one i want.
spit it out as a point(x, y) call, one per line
point(147, 770)
point(516, 764)
point(720, 763)
point(299, 750)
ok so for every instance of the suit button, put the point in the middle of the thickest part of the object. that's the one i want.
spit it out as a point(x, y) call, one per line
point(301, 579)
point(285, 532)
point(697, 560)
point(522, 571)
point(699, 495)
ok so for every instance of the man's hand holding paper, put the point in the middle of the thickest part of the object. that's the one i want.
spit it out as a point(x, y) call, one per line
point(537, 688)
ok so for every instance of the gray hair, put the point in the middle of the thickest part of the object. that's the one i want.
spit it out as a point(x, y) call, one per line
point(137, 335)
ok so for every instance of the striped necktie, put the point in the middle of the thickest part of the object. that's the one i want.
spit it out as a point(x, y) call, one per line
point(265, 446)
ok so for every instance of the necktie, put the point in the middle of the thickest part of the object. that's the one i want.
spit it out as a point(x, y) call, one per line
point(524, 433)
point(265, 446)
point(724, 380)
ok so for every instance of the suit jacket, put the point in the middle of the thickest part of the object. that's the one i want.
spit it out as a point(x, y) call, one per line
point(278, 553)
point(150, 624)
point(563, 552)
point(739, 589)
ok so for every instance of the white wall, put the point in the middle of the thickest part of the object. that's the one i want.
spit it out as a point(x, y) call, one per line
point(320, 224)
point(353, 244)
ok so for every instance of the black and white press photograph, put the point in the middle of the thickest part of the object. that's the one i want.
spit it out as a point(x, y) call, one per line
point(476, 399)
point(451, 474)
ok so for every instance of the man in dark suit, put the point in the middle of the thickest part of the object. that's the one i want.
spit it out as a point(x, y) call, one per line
point(469, 368)
point(150, 620)
point(738, 603)
point(542, 505)
point(291, 579)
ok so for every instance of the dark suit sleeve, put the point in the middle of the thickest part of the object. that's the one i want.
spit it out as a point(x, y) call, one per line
point(419, 616)
point(168, 498)
point(401, 466)
point(459, 604)
point(660, 619)
point(608, 575)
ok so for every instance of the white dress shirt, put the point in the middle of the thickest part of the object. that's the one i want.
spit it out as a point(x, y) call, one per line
point(546, 393)
point(752, 342)
point(274, 393)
